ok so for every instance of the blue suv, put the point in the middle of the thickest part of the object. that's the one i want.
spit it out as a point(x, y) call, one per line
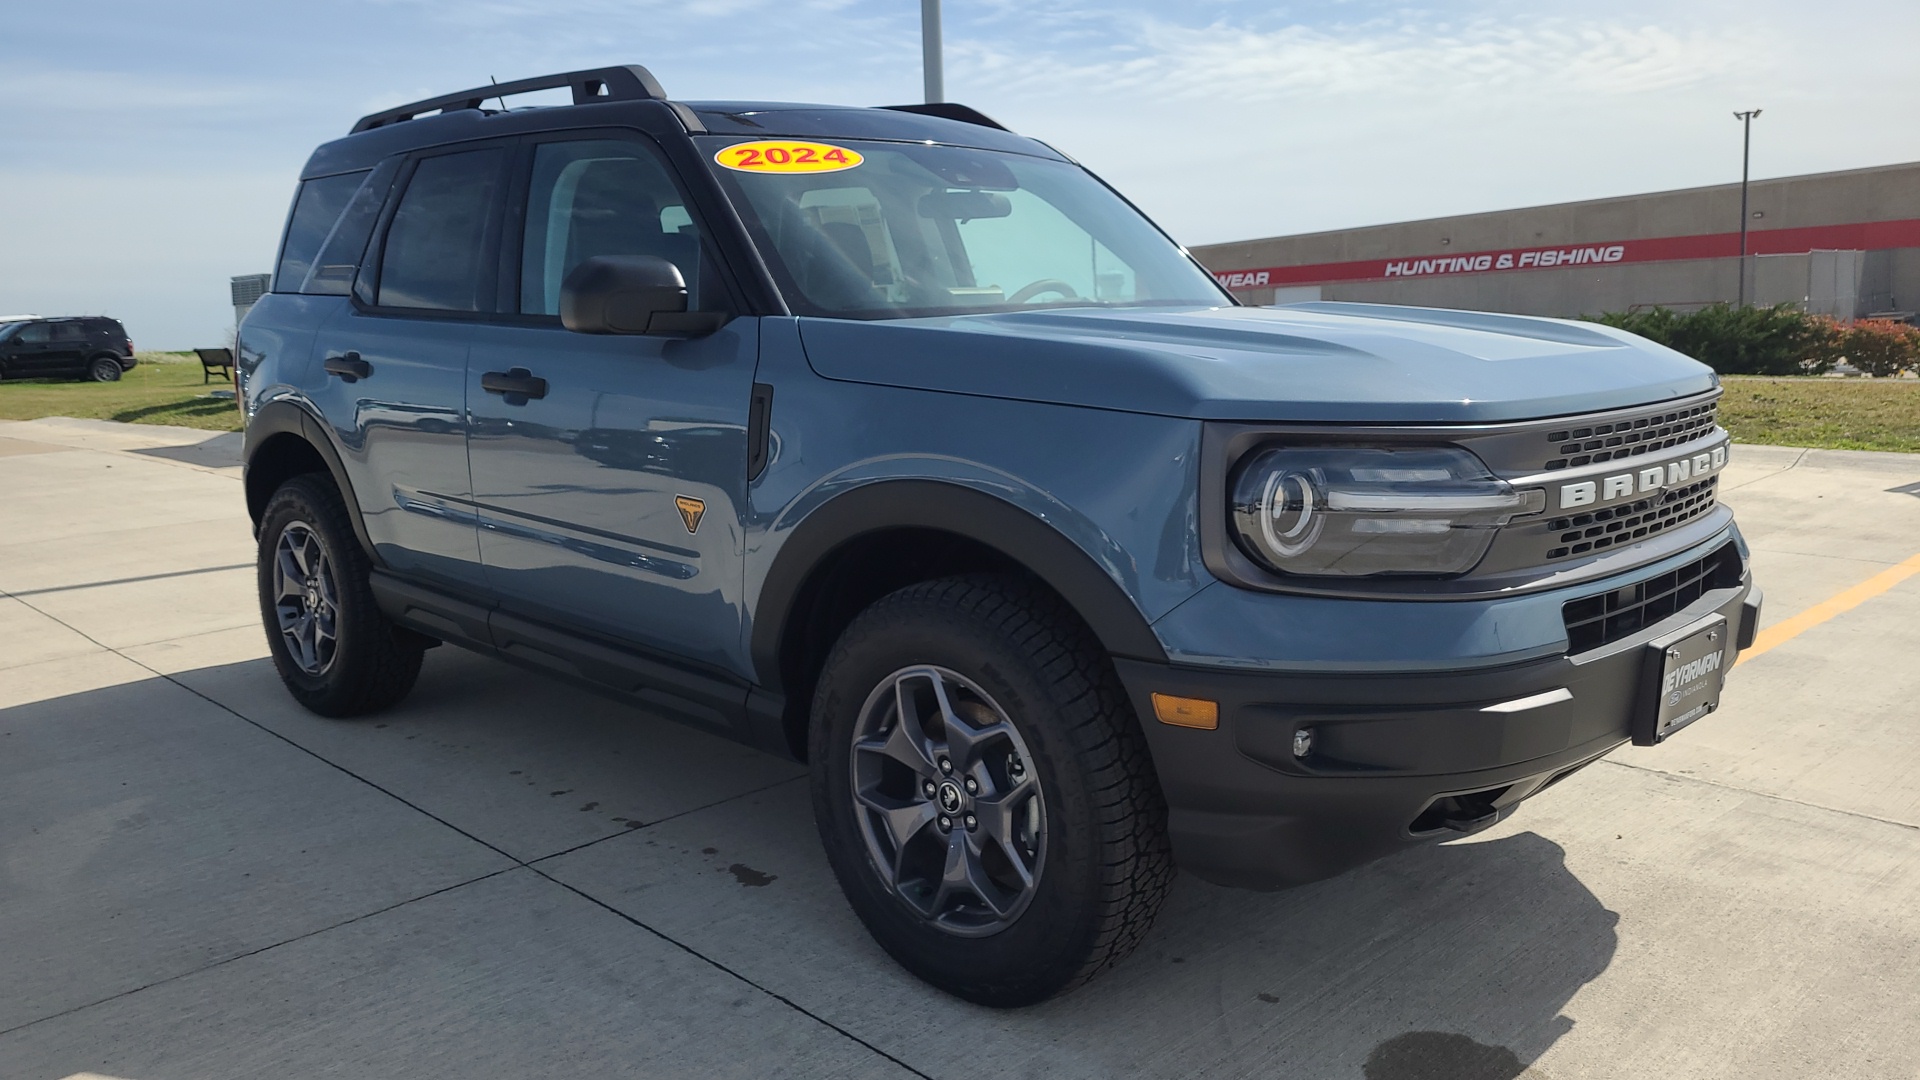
point(897, 443)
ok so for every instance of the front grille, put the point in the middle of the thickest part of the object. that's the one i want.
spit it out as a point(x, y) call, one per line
point(1628, 437)
point(1609, 617)
point(1602, 529)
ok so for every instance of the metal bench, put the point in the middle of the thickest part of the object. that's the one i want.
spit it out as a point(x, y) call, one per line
point(212, 360)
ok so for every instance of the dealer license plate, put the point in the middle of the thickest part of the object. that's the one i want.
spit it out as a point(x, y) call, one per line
point(1681, 679)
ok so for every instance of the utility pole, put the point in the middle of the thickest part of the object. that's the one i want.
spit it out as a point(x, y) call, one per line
point(1746, 160)
point(930, 65)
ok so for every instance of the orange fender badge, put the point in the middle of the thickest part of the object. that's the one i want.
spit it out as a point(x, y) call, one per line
point(691, 511)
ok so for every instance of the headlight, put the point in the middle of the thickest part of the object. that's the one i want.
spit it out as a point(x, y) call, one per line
point(1357, 511)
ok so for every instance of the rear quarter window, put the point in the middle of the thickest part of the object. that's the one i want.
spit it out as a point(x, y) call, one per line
point(317, 207)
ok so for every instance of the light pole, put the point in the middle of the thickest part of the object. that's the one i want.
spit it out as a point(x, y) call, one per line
point(1746, 159)
point(930, 51)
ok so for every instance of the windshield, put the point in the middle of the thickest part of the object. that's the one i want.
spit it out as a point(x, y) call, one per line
point(893, 230)
point(7, 329)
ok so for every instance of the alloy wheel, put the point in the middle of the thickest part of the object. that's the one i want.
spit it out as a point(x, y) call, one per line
point(948, 801)
point(305, 598)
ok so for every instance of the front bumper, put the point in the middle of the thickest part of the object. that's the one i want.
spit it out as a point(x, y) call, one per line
point(1398, 760)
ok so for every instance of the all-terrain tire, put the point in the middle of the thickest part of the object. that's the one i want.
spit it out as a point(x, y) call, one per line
point(1107, 864)
point(372, 664)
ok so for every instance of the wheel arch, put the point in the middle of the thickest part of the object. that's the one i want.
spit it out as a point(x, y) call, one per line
point(836, 561)
point(284, 440)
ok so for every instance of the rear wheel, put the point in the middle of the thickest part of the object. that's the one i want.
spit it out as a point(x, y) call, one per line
point(984, 793)
point(104, 369)
point(334, 649)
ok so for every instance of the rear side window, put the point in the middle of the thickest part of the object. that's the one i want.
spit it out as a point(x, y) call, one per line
point(70, 331)
point(316, 208)
point(336, 268)
point(435, 250)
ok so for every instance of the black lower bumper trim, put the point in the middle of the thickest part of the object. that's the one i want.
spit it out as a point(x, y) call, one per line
point(1392, 760)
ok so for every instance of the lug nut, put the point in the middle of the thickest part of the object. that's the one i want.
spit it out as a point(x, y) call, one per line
point(971, 822)
point(946, 823)
point(973, 786)
point(946, 765)
point(928, 789)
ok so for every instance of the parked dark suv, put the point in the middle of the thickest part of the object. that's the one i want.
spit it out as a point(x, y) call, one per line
point(86, 347)
point(898, 443)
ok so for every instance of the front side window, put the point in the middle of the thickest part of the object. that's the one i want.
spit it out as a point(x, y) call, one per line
point(316, 208)
point(436, 247)
point(916, 230)
point(603, 197)
point(35, 334)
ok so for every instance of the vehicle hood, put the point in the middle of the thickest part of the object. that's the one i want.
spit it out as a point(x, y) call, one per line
point(1323, 362)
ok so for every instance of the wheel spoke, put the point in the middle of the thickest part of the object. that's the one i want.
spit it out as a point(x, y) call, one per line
point(289, 579)
point(1000, 812)
point(963, 876)
point(906, 741)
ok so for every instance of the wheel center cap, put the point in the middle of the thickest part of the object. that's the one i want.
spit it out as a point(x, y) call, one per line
point(949, 797)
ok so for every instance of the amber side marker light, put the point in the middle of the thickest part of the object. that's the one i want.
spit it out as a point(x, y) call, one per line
point(1187, 711)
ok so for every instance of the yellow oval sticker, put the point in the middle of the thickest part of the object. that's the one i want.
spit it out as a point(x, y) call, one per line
point(787, 156)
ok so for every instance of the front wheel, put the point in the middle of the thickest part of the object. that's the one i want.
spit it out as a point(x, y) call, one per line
point(104, 369)
point(334, 649)
point(984, 793)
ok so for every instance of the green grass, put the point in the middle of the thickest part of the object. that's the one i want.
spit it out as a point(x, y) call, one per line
point(1832, 414)
point(164, 388)
point(1840, 414)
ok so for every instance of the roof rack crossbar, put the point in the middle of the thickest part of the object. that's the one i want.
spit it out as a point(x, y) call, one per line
point(951, 110)
point(629, 83)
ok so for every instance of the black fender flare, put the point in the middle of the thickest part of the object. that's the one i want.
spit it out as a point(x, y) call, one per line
point(277, 418)
point(933, 504)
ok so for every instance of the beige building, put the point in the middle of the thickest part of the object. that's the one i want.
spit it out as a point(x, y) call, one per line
point(1842, 243)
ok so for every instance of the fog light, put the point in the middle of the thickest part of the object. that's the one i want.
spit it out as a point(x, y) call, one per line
point(1303, 742)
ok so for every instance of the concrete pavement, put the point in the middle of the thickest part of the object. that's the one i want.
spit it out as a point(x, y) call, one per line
point(506, 877)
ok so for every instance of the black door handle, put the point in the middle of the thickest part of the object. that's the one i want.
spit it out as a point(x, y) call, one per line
point(518, 382)
point(349, 367)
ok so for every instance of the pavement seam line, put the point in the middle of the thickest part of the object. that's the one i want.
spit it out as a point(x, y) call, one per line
point(264, 948)
point(1839, 604)
point(130, 581)
point(1788, 467)
point(529, 864)
point(518, 863)
point(1724, 786)
point(697, 954)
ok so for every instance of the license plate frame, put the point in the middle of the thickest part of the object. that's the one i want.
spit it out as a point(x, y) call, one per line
point(1681, 677)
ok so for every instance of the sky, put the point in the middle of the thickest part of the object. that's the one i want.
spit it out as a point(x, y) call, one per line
point(148, 151)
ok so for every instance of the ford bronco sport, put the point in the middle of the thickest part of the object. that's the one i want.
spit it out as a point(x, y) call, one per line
point(900, 444)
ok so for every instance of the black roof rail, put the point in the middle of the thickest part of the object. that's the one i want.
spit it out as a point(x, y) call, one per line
point(629, 83)
point(949, 110)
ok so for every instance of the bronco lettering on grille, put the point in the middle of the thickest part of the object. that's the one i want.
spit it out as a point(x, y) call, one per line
point(1643, 481)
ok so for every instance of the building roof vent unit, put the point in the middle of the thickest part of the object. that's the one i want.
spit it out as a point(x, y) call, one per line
point(249, 288)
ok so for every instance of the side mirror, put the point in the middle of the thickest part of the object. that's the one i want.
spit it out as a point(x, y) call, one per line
point(630, 294)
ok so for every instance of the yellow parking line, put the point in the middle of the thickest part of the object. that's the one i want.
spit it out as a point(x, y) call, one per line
point(1788, 629)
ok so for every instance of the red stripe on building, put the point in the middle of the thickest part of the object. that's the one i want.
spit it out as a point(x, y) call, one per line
point(1861, 236)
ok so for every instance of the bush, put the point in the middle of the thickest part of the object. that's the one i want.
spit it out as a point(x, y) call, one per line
point(1777, 340)
point(1881, 347)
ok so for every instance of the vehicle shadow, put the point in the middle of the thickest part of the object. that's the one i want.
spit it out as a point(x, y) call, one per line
point(1443, 963)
